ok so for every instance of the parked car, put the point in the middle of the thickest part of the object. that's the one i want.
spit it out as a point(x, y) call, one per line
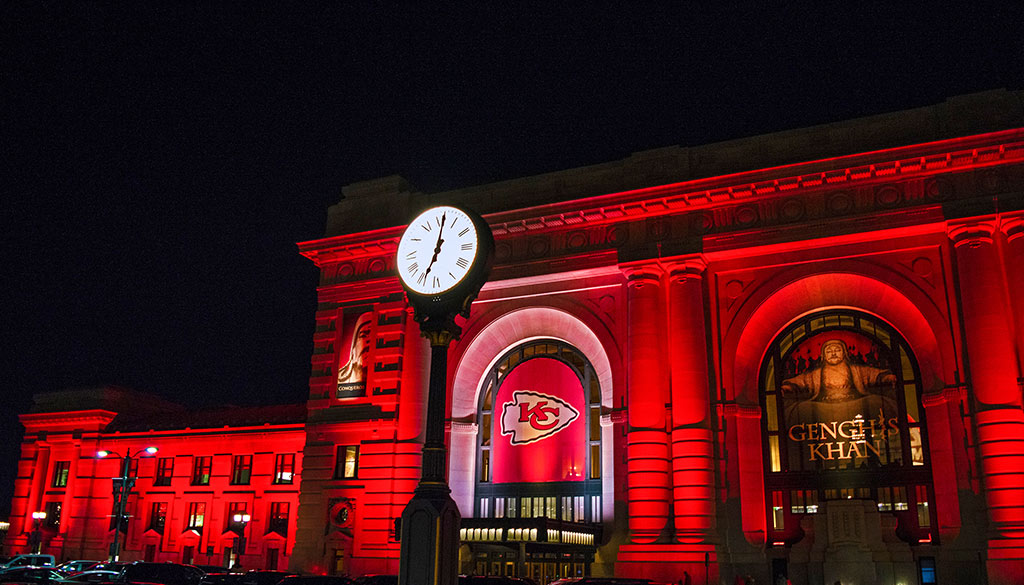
point(259, 577)
point(36, 560)
point(223, 579)
point(93, 576)
point(491, 580)
point(162, 573)
point(72, 567)
point(40, 575)
point(316, 580)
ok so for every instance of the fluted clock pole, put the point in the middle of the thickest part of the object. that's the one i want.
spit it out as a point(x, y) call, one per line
point(443, 259)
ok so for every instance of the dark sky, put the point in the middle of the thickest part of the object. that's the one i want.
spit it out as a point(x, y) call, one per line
point(159, 160)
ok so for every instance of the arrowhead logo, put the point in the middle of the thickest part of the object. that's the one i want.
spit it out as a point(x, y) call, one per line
point(532, 416)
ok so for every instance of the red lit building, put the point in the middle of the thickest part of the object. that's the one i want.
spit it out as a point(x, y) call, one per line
point(790, 356)
point(209, 466)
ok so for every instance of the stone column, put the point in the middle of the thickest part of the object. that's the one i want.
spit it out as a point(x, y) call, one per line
point(1012, 225)
point(693, 480)
point(647, 451)
point(992, 360)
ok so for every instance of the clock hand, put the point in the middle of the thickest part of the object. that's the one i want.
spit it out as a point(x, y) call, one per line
point(437, 248)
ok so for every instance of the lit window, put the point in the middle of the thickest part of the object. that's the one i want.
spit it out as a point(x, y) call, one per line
point(278, 518)
point(60, 473)
point(284, 468)
point(52, 520)
point(347, 464)
point(196, 516)
point(158, 516)
point(202, 467)
point(230, 525)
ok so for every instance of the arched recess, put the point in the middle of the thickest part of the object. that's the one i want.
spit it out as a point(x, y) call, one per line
point(486, 346)
point(848, 284)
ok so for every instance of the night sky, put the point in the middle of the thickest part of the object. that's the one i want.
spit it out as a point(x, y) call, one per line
point(160, 160)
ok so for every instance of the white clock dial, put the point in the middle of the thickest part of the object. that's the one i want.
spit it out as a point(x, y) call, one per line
point(437, 250)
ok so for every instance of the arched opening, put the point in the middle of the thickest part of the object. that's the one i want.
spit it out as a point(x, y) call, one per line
point(539, 439)
point(843, 420)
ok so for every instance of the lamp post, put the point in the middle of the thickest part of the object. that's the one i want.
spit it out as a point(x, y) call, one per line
point(122, 489)
point(37, 533)
point(242, 519)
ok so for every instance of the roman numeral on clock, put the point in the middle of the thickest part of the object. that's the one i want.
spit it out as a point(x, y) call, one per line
point(467, 246)
point(414, 267)
point(462, 263)
point(463, 232)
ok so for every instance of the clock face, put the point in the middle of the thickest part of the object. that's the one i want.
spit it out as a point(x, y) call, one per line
point(437, 250)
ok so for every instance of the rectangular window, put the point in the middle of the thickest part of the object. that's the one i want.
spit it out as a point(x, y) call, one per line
point(241, 469)
point(158, 516)
point(567, 508)
point(202, 467)
point(52, 520)
point(899, 498)
point(164, 471)
point(551, 507)
point(485, 465)
point(347, 464)
point(796, 502)
point(499, 507)
point(595, 508)
point(196, 516)
point(511, 509)
point(526, 510)
point(278, 518)
point(284, 468)
point(485, 507)
point(924, 518)
point(60, 473)
point(778, 511)
point(230, 525)
point(595, 461)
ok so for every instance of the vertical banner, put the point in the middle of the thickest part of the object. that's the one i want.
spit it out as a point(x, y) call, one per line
point(354, 344)
point(540, 424)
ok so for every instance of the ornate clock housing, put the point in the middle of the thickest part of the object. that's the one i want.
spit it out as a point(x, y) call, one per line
point(443, 259)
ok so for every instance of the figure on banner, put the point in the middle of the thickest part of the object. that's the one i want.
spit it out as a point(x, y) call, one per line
point(353, 374)
point(839, 389)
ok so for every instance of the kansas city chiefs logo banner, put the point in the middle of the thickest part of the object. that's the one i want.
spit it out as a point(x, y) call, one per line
point(539, 425)
point(532, 416)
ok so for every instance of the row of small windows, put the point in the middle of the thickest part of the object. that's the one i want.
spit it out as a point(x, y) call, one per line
point(202, 470)
point(565, 508)
point(888, 499)
point(195, 519)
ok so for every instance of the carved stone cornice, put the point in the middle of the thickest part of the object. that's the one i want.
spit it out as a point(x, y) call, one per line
point(683, 270)
point(972, 233)
point(1012, 224)
point(638, 276)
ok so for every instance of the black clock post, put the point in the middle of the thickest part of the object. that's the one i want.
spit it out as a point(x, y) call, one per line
point(430, 522)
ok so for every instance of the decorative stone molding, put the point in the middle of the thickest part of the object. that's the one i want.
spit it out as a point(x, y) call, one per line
point(972, 234)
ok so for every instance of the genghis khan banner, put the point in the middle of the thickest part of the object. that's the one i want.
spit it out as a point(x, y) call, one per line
point(539, 435)
point(840, 403)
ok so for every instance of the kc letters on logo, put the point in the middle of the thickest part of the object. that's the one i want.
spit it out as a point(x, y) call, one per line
point(532, 416)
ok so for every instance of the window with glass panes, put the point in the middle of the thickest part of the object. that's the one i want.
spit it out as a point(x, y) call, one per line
point(849, 429)
point(202, 468)
point(284, 468)
point(241, 469)
point(164, 471)
point(61, 469)
point(571, 501)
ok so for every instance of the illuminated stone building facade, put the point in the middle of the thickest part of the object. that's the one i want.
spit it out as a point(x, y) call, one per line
point(795, 356)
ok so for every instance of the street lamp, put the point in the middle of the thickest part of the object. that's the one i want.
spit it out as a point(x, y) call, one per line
point(122, 488)
point(242, 519)
point(37, 533)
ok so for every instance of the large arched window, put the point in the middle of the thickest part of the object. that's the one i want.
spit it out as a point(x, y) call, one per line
point(539, 440)
point(841, 396)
